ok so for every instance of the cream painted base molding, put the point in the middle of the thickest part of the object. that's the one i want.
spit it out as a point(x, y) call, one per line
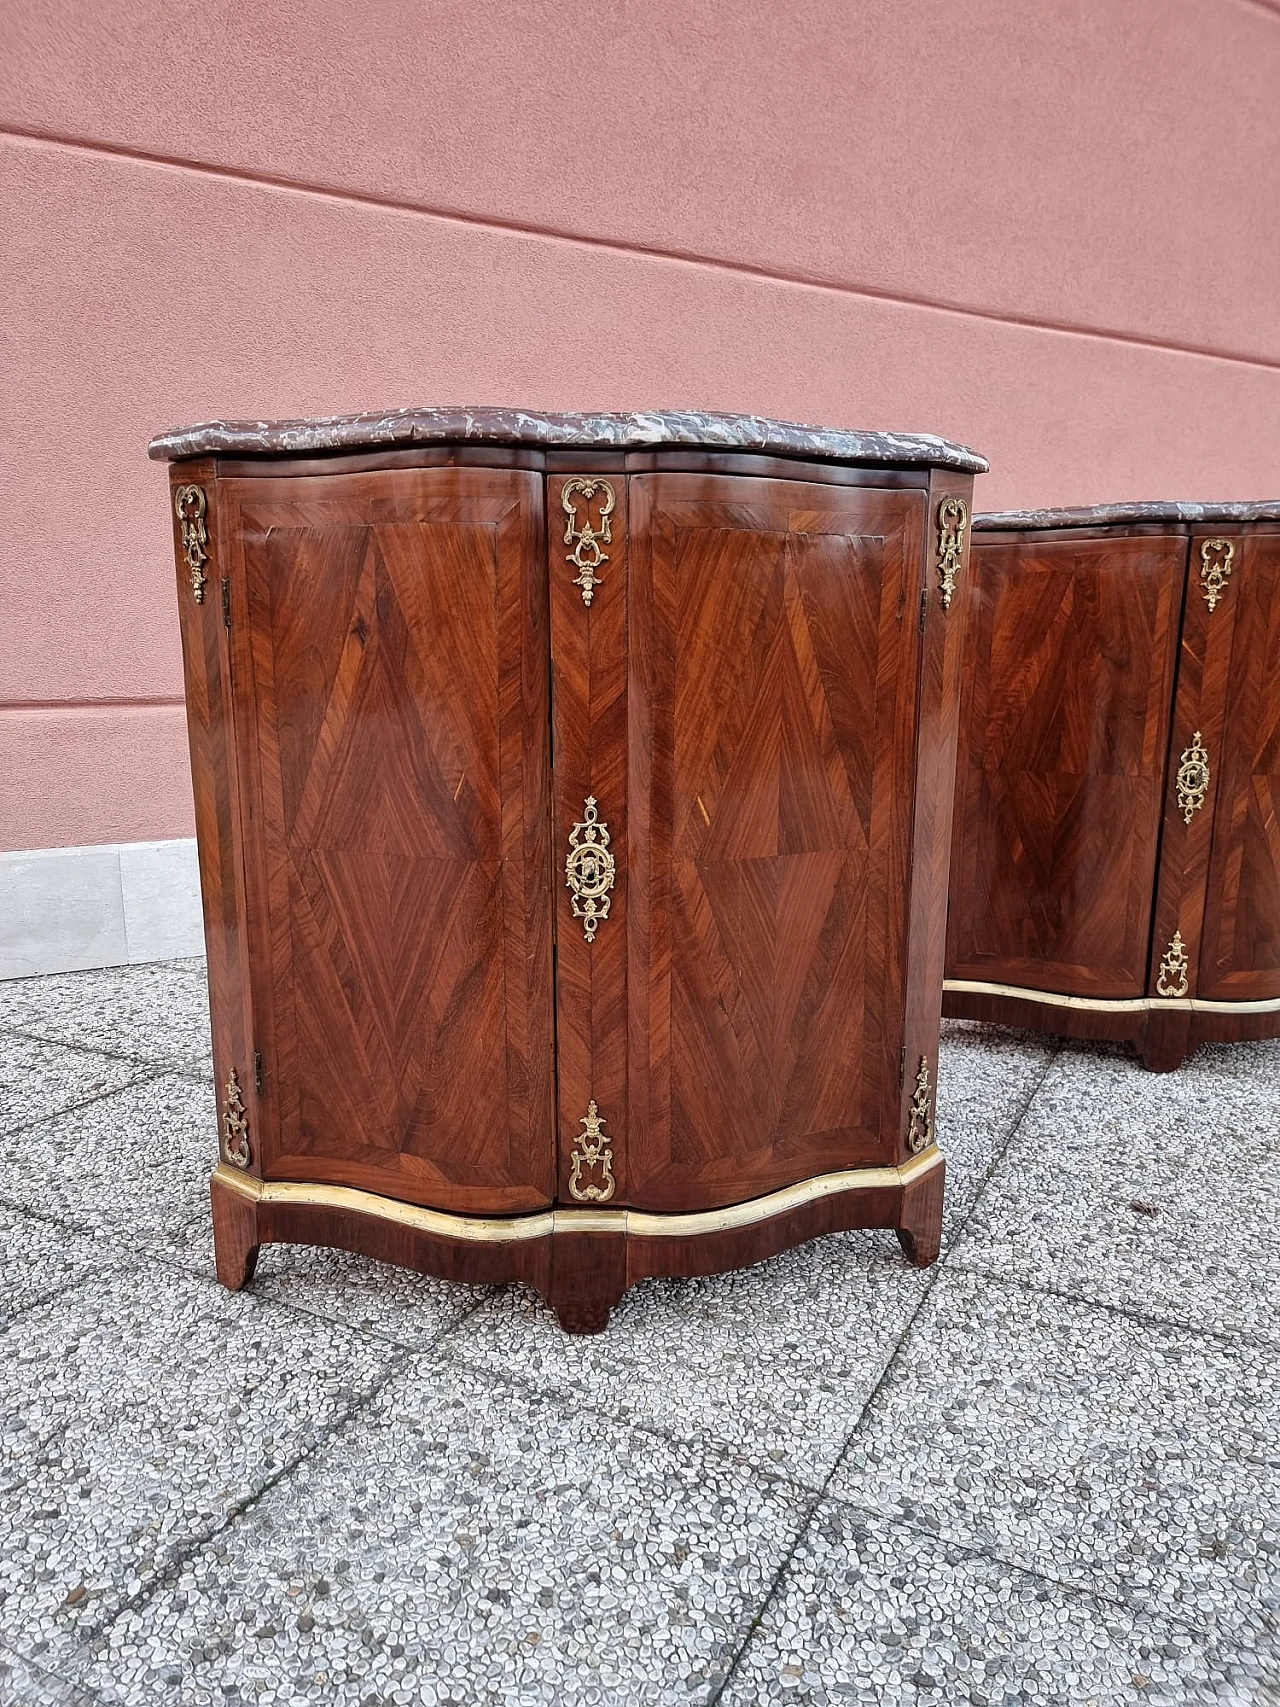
point(69, 909)
point(541, 1224)
point(1101, 1005)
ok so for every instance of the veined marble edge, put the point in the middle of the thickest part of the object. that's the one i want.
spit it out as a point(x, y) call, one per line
point(1117, 515)
point(688, 428)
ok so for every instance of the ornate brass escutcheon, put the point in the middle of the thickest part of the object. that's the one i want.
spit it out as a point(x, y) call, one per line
point(586, 556)
point(1172, 979)
point(190, 507)
point(235, 1125)
point(1216, 557)
point(592, 1151)
point(953, 522)
point(920, 1127)
point(589, 869)
point(1193, 779)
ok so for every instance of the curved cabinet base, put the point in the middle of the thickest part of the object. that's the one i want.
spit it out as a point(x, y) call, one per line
point(1163, 1031)
point(580, 1260)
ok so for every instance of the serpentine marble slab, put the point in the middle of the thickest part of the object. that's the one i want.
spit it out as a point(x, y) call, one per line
point(1121, 515)
point(405, 427)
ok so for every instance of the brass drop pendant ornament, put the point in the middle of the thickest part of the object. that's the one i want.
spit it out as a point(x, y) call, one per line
point(953, 522)
point(1193, 779)
point(586, 540)
point(589, 869)
point(235, 1125)
point(920, 1128)
point(591, 1152)
point(1172, 979)
point(190, 506)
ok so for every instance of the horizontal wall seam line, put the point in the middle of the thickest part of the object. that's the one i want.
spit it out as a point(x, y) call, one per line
point(119, 704)
point(740, 269)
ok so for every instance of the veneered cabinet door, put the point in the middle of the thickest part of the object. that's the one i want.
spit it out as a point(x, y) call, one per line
point(773, 642)
point(390, 667)
point(1239, 957)
point(1070, 658)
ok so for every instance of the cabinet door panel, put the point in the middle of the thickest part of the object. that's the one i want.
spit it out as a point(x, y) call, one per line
point(397, 639)
point(1240, 947)
point(772, 696)
point(1070, 661)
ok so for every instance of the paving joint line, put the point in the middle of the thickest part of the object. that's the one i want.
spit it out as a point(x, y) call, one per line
point(1006, 1562)
point(173, 1566)
point(164, 1064)
point(884, 1376)
point(84, 1692)
point(143, 1078)
point(1231, 1341)
point(72, 1284)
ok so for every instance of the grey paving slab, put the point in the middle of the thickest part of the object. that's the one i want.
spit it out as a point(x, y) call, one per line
point(136, 1417)
point(774, 1362)
point(134, 1165)
point(986, 1077)
point(375, 1297)
point(463, 1541)
point(871, 1612)
point(152, 1013)
point(38, 1079)
point(25, 1685)
point(1135, 1461)
point(39, 1258)
point(1155, 1193)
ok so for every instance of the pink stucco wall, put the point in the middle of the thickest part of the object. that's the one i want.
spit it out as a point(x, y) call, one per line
point(1050, 231)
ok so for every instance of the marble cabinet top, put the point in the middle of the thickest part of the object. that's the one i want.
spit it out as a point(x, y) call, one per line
point(689, 428)
point(1120, 515)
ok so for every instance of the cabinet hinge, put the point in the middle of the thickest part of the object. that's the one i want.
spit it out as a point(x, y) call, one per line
point(226, 602)
point(902, 1066)
point(257, 1069)
point(924, 608)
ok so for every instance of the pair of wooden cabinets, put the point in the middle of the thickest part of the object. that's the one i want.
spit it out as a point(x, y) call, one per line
point(1116, 860)
point(573, 800)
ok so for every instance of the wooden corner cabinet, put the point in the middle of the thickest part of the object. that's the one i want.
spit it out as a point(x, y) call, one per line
point(573, 797)
point(1116, 857)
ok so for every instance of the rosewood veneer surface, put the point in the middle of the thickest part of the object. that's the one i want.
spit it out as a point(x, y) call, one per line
point(573, 798)
point(1116, 856)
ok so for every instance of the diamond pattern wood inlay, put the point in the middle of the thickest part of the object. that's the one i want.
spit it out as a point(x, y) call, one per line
point(399, 680)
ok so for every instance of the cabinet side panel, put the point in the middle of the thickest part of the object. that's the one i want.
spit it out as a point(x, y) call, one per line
point(206, 665)
point(1068, 683)
point(1240, 951)
point(772, 636)
point(399, 720)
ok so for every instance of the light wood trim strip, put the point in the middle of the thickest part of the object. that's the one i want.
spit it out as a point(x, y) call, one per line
point(1101, 1005)
point(479, 1229)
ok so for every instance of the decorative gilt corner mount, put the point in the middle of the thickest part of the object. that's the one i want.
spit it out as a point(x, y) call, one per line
point(1216, 556)
point(190, 506)
point(953, 523)
point(920, 1127)
point(591, 1152)
point(235, 1125)
point(1172, 979)
point(586, 540)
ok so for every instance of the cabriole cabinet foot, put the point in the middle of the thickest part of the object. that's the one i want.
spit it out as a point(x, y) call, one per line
point(235, 1235)
point(588, 1277)
point(1166, 1041)
point(920, 1228)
